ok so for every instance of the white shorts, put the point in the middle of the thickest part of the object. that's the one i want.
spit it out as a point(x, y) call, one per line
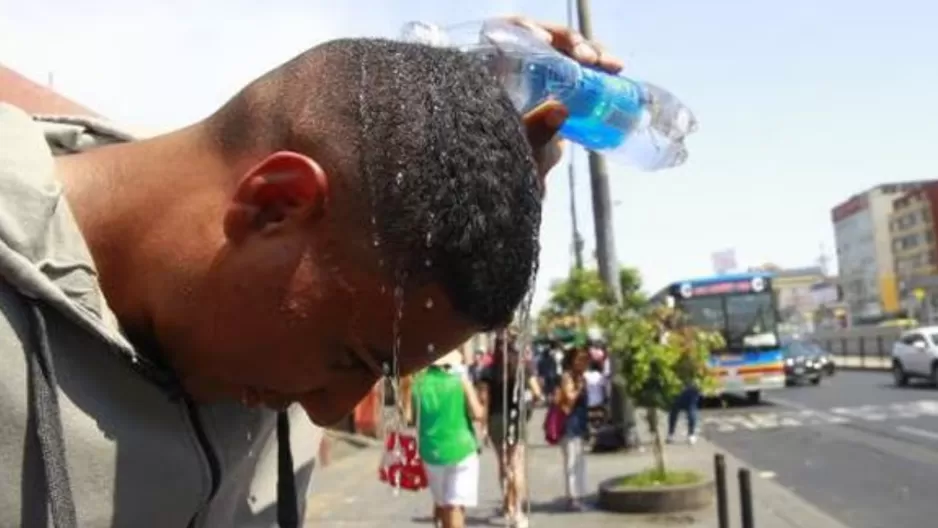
point(457, 484)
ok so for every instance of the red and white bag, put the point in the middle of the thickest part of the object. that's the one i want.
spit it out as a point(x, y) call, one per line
point(401, 465)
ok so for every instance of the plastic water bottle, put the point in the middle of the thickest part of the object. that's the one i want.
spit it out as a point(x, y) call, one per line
point(635, 122)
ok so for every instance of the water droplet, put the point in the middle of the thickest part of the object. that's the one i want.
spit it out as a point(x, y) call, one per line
point(429, 240)
point(429, 303)
point(428, 263)
point(399, 178)
point(384, 289)
point(431, 348)
point(374, 220)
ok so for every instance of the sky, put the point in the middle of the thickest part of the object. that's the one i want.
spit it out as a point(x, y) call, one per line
point(801, 103)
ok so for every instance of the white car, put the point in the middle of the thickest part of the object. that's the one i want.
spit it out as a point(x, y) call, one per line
point(915, 355)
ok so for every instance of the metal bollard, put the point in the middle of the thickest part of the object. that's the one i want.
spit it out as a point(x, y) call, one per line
point(745, 498)
point(719, 470)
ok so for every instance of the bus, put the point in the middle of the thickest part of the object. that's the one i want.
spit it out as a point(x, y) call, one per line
point(744, 309)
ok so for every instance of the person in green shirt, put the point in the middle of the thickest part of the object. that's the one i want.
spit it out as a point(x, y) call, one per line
point(444, 405)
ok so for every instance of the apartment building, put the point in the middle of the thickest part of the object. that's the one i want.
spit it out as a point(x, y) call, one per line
point(912, 223)
point(865, 249)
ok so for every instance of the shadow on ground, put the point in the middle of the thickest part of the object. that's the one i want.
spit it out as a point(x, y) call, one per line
point(471, 520)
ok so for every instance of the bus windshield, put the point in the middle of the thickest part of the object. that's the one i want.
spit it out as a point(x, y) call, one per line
point(705, 312)
point(751, 320)
point(746, 321)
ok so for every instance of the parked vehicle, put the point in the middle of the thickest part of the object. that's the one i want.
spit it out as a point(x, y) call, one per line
point(915, 355)
point(804, 362)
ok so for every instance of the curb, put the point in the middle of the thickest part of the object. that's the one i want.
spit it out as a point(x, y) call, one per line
point(337, 446)
point(357, 440)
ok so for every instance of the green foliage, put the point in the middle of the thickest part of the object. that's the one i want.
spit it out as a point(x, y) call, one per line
point(652, 477)
point(584, 287)
point(659, 355)
point(630, 282)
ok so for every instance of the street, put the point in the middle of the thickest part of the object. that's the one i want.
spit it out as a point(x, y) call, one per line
point(857, 447)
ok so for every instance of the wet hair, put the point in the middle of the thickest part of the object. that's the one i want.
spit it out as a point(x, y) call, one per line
point(425, 153)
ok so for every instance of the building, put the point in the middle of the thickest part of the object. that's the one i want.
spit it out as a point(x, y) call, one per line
point(796, 291)
point(793, 288)
point(35, 98)
point(912, 225)
point(865, 250)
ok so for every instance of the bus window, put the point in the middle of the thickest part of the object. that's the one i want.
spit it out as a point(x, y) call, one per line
point(705, 312)
point(751, 320)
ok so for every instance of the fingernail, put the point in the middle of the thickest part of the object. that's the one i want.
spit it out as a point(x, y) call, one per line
point(585, 52)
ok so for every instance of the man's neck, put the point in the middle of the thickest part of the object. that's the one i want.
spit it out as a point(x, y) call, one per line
point(115, 192)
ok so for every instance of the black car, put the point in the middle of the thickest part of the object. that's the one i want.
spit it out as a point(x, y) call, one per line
point(824, 358)
point(805, 362)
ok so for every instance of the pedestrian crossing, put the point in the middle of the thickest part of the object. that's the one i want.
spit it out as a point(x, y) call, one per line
point(733, 421)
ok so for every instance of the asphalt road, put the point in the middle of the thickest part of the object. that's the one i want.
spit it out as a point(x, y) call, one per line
point(857, 447)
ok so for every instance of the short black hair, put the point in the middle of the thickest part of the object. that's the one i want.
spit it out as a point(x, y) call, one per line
point(432, 155)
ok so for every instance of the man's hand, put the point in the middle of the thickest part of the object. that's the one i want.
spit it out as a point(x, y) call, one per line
point(543, 122)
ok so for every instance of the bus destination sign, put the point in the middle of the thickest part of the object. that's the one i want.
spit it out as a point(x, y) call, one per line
point(755, 284)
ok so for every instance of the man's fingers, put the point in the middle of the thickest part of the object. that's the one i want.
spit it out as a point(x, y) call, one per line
point(607, 61)
point(571, 42)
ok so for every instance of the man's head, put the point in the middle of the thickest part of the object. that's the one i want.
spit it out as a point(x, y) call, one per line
point(368, 179)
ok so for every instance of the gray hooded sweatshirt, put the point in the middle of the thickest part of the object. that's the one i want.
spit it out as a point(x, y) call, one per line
point(93, 432)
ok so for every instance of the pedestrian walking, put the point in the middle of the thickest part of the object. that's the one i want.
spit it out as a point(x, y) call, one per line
point(444, 405)
point(572, 398)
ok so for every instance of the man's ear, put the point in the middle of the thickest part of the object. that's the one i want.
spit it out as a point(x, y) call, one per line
point(283, 187)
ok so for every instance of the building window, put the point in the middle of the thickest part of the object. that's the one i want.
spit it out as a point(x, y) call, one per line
point(925, 215)
point(929, 236)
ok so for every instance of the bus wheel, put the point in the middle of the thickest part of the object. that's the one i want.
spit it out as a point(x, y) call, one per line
point(754, 397)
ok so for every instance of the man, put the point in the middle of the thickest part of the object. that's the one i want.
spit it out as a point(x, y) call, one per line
point(165, 302)
point(444, 405)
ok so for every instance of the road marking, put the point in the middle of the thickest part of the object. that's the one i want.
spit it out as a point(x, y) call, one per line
point(915, 431)
point(800, 415)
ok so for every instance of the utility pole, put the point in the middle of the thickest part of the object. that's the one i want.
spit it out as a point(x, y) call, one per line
point(577, 238)
point(602, 203)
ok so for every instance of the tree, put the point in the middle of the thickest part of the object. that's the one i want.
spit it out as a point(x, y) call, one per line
point(582, 289)
point(658, 356)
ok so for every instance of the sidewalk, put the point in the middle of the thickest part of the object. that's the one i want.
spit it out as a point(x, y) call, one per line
point(348, 493)
point(870, 362)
